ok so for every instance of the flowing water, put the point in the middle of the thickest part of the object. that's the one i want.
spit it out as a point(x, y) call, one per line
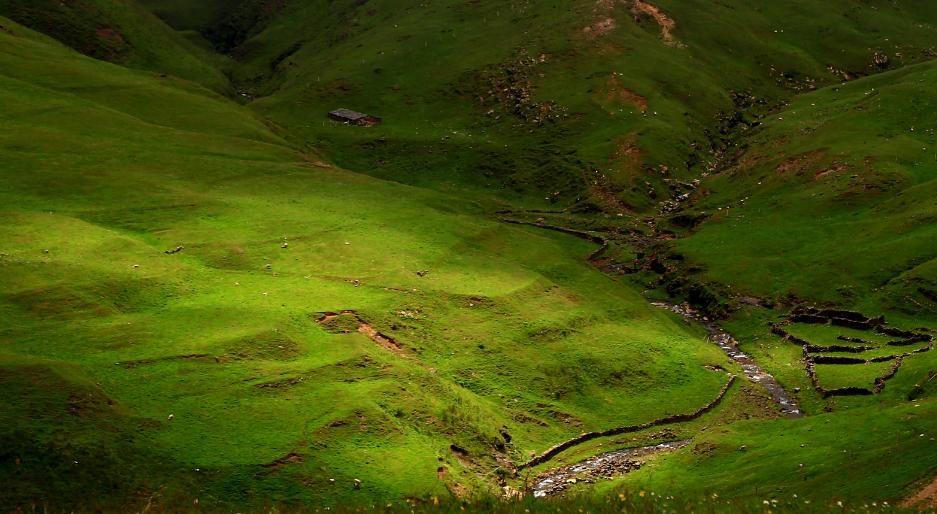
point(729, 346)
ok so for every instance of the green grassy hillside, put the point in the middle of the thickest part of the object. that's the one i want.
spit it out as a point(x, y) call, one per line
point(207, 305)
point(211, 359)
point(833, 199)
point(583, 102)
point(119, 31)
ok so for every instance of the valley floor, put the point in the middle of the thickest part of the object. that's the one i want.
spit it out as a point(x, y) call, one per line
point(198, 312)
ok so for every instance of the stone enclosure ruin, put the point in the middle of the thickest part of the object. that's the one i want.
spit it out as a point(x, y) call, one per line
point(858, 347)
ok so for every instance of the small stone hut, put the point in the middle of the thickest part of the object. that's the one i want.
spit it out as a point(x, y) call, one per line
point(354, 118)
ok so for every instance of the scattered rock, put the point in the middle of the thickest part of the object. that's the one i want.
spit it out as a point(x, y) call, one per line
point(600, 467)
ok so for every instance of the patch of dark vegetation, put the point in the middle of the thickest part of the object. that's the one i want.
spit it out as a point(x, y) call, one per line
point(707, 297)
point(535, 165)
point(94, 451)
point(77, 23)
point(550, 334)
point(927, 385)
point(61, 302)
point(244, 20)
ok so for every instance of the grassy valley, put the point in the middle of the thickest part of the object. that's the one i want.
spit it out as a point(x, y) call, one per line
point(213, 297)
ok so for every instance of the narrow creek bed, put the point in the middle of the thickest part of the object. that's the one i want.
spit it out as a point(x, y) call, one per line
point(729, 346)
point(604, 466)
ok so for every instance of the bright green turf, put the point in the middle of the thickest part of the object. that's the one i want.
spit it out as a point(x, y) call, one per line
point(104, 336)
point(510, 323)
point(861, 235)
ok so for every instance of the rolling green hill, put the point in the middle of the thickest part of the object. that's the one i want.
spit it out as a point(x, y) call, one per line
point(213, 297)
point(833, 199)
point(585, 99)
point(119, 31)
point(104, 328)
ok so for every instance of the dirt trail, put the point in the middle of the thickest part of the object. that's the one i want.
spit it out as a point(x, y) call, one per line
point(604, 466)
point(380, 338)
point(365, 328)
point(729, 346)
point(667, 24)
point(926, 498)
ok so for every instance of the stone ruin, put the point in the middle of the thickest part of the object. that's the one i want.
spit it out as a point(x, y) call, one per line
point(814, 354)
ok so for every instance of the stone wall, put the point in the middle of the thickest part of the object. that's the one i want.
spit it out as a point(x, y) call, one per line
point(588, 436)
point(853, 320)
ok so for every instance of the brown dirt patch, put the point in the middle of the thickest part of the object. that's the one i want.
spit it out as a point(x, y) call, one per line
point(111, 35)
point(564, 417)
point(336, 321)
point(520, 417)
point(616, 92)
point(458, 490)
point(380, 338)
point(628, 151)
point(290, 458)
point(667, 24)
point(926, 498)
point(800, 164)
point(601, 27)
point(836, 168)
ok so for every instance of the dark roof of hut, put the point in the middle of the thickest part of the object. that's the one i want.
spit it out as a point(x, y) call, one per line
point(348, 114)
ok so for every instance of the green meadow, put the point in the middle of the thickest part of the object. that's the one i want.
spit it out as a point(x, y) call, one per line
point(212, 297)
